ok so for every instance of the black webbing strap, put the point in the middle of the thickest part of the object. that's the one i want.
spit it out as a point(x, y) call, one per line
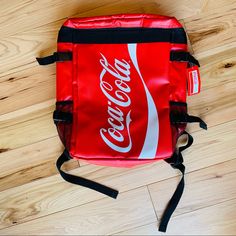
point(65, 156)
point(55, 57)
point(61, 116)
point(183, 56)
point(176, 161)
point(177, 117)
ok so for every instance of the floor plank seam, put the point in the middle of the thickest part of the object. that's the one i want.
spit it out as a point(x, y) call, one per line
point(142, 225)
point(157, 218)
point(190, 172)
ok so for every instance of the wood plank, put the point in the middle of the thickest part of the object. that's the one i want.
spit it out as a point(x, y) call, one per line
point(214, 220)
point(27, 126)
point(20, 51)
point(45, 196)
point(217, 184)
point(37, 34)
point(148, 229)
point(180, 9)
point(212, 29)
point(21, 15)
point(27, 88)
point(25, 15)
point(215, 105)
point(30, 163)
point(210, 5)
point(218, 67)
point(102, 217)
point(49, 195)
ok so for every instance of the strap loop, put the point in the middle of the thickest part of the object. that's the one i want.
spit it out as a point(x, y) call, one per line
point(55, 57)
point(183, 56)
point(65, 156)
point(177, 117)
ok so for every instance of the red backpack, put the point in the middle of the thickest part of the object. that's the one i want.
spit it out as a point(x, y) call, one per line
point(121, 94)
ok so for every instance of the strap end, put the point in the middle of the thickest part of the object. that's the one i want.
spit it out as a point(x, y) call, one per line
point(203, 125)
point(114, 194)
point(162, 228)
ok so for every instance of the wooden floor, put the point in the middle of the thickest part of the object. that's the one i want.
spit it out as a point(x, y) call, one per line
point(35, 200)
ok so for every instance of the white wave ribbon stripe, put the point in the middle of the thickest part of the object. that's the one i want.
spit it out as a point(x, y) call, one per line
point(152, 134)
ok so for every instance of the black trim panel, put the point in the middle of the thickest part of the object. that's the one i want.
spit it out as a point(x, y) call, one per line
point(121, 35)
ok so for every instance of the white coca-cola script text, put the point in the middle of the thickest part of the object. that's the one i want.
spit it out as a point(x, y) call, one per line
point(118, 97)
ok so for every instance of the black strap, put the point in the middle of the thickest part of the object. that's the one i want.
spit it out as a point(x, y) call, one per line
point(183, 56)
point(176, 161)
point(61, 116)
point(177, 117)
point(55, 57)
point(65, 156)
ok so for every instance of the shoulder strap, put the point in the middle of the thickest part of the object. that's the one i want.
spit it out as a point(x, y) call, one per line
point(65, 156)
point(176, 161)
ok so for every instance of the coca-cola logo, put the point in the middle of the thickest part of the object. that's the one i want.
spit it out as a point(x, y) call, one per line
point(119, 100)
point(116, 88)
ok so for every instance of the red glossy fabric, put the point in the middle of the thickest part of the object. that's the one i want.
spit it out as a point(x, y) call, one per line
point(121, 94)
point(124, 20)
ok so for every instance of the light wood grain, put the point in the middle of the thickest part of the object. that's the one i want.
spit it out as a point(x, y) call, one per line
point(214, 220)
point(212, 29)
point(102, 217)
point(27, 88)
point(215, 105)
point(214, 148)
point(30, 163)
point(38, 32)
point(19, 12)
point(217, 69)
point(35, 200)
point(24, 126)
point(218, 178)
point(210, 5)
